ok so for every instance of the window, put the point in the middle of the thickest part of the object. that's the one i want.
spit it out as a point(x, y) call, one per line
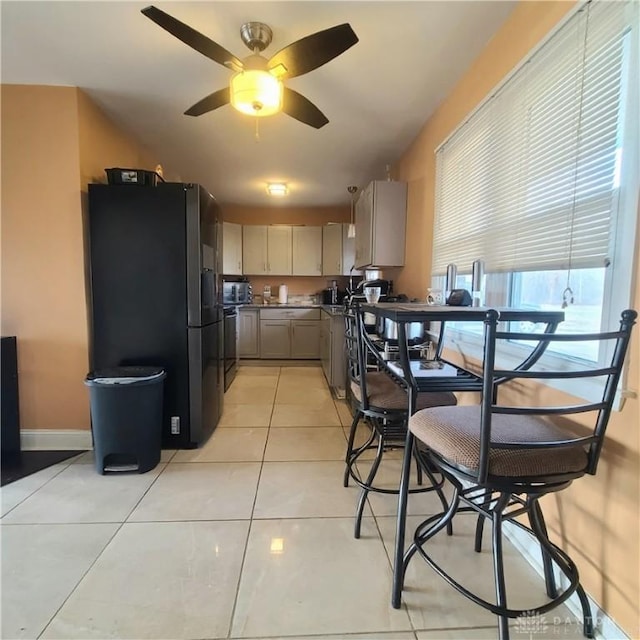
point(541, 181)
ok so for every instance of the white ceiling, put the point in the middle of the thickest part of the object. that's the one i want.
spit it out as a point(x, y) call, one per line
point(377, 95)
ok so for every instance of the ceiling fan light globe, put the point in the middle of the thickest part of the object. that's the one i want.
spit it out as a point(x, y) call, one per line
point(256, 93)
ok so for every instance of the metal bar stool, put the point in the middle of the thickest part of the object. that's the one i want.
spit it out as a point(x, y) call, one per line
point(381, 400)
point(501, 459)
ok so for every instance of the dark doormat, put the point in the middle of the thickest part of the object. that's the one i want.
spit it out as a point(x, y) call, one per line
point(19, 465)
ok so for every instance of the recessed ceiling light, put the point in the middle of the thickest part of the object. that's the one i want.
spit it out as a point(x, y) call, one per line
point(277, 189)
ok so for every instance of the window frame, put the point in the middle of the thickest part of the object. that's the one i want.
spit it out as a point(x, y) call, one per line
point(619, 275)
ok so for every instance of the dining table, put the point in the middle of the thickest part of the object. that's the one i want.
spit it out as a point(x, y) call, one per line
point(439, 374)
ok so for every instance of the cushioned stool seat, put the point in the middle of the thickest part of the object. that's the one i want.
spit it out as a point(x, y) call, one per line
point(453, 433)
point(384, 393)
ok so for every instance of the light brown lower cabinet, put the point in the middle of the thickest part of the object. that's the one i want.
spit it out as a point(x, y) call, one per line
point(290, 334)
point(275, 339)
point(249, 333)
point(305, 339)
point(332, 351)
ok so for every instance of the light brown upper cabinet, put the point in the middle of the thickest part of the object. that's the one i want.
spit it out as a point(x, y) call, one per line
point(279, 250)
point(381, 217)
point(338, 250)
point(307, 251)
point(266, 250)
point(254, 250)
point(231, 248)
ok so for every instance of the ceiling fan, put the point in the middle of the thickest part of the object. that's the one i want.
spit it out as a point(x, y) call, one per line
point(257, 88)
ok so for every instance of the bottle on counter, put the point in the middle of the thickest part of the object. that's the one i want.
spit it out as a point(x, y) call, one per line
point(334, 292)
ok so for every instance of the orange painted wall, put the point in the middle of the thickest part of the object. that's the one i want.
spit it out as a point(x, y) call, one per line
point(54, 141)
point(42, 254)
point(285, 215)
point(598, 518)
point(104, 145)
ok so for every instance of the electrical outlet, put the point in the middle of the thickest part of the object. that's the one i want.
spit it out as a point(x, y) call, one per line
point(175, 425)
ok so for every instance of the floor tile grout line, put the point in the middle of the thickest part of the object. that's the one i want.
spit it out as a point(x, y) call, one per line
point(15, 506)
point(253, 506)
point(83, 576)
point(251, 519)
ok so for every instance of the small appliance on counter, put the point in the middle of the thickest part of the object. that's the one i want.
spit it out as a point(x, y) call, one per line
point(330, 294)
point(235, 292)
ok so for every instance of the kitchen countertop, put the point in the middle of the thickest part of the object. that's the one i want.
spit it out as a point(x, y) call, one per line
point(332, 310)
point(281, 306)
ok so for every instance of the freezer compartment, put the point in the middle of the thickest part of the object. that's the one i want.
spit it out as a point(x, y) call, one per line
point(206, 380)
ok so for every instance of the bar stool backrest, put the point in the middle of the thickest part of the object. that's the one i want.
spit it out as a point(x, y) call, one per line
point(496, 380)
point(356, 364)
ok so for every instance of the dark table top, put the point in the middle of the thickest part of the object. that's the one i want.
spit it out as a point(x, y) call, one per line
point(400, 312)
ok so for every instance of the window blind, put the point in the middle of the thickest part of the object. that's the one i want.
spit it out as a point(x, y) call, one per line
point(530, 181)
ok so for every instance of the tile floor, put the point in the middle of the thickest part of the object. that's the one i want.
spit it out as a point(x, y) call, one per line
point(249, 536)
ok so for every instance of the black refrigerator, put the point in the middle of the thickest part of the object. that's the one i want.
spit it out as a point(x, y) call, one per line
point(154, 256)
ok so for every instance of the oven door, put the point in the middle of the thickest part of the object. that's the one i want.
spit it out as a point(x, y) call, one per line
point(230, 345)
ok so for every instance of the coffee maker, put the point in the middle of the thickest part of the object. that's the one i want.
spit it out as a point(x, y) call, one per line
point(372, 278)
point(330, 294)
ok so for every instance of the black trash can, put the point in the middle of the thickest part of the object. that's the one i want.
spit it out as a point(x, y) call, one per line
point(126, 417)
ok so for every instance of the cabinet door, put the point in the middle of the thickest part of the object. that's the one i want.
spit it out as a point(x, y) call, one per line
point(348, 253)
point(332, 249)
point(254, 250)
point(305, 339)
point(364, 227)
point(231, 248)
point(248, 334)
point(307, 251)
point(279, 252)
point(275, 340)
point(325, 346)
point(338, 353)
point(389, 207)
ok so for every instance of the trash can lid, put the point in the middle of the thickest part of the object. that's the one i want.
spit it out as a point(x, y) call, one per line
point(125, 375)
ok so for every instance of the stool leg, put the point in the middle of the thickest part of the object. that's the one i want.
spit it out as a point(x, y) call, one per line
point(401, 522)
point(498, 565)
point(567, 567)
point(479, 529)
point(352, 437)
point(425, 465)
point(587, 617)
point(364, 492)
point(535, 513)
point(480, 524)
point(418, 468)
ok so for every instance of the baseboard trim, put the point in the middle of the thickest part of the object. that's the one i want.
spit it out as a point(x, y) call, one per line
point(55, 439)
point(605, 627)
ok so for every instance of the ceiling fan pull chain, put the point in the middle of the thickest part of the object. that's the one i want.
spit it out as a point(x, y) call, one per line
point(257, 130)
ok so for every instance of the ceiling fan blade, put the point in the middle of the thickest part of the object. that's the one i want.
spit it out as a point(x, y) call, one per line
point(313, 51)
point(297, 106)
point(191, 37)
point(213, 101)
